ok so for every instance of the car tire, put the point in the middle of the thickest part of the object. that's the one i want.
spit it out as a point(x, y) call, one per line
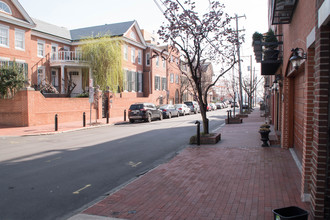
point(148, 118)
point(169, 115)
point(131, 121)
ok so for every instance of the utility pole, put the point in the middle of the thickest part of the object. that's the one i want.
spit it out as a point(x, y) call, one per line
point(239, 65)
point(250, 97)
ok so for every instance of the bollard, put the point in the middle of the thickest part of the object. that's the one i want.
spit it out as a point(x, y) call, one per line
point(84, 119)
point(198, 132)
point(230, 113)
point(107, 117)
point(228, 116)
point(125, 115)
point(56, 122)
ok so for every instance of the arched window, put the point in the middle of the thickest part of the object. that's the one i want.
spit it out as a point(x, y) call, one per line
point(4, 7)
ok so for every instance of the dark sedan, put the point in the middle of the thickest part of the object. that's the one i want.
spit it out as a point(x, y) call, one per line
point(169, 111)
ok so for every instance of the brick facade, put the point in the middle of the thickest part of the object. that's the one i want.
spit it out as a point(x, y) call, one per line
point(305, 104)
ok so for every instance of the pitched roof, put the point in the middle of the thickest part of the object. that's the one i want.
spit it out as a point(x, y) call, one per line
point(51, 29)
point(116, 29)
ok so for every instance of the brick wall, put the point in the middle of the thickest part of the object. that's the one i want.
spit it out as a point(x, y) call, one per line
point(29, 108)
point(308, 126)
point(319, 191)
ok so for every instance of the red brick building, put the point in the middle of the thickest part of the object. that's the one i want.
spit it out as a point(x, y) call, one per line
point(52, 54)
point(298, 93)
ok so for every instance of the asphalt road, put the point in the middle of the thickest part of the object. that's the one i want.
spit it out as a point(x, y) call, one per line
point(57, 176)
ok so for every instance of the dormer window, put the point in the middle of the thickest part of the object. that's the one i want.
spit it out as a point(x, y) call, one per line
point(4, 8)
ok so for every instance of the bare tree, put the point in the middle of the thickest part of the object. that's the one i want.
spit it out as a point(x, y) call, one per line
point(250, 88)
point(200, 39)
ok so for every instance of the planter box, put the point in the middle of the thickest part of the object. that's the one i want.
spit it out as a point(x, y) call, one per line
point(242, 115)
point(234, 121)
point(212, 138)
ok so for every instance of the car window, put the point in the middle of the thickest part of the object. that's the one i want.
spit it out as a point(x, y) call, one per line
point(136, 107)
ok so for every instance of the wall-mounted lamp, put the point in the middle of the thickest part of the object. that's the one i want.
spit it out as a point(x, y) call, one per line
point(298, 54)
point(277, 82)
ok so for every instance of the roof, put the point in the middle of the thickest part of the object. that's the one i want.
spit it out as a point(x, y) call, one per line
point(116, 29)
point(51, 29)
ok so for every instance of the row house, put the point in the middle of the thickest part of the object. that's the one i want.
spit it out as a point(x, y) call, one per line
point(297, 88)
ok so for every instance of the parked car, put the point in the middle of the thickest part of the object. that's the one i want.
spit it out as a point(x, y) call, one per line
point(169, 111)
point(245, 106)
point(144, 111)
point(219, 105)
point(213, 106)
point(194, 107)
point(209, 107)
point(183, 109)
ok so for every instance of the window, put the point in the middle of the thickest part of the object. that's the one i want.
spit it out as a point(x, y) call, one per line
point(148, 59)
point(19, 39)
point(164, 63)
point(4, 36)
point(133, 55)
point(41, 48)
point(4, 8)
point(140, 56)
point(164, 83)
point(157, 83)
point(172, 78)
point(125, 52)
point(157, 61)
point(133, 35)
point(54, 52)
point(176, 79)
point(140, 79)
point(132, 81)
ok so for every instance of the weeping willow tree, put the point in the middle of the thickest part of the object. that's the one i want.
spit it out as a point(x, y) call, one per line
point(104, 57)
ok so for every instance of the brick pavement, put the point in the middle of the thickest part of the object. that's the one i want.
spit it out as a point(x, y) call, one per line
point(235, 179)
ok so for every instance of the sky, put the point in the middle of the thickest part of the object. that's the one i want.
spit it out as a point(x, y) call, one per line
point(74, 14)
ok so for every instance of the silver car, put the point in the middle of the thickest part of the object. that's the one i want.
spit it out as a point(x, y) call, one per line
point(183, 109)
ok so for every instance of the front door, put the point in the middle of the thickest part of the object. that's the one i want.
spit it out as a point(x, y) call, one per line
point(54, 78)
point(75, 76)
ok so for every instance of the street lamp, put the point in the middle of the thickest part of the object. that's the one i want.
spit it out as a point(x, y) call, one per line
point(298, 54)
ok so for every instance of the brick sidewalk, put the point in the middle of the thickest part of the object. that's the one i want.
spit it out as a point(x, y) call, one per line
point(235, 179)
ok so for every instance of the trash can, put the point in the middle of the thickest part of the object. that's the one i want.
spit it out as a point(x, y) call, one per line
point(292, 213)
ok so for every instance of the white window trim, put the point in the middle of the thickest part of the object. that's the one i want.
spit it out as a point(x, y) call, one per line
point(148, 59)
point(22, 32)
point(140, 86)
point(172, 78)
point(19, 61)
point(41, 42)
point(51, 51)
point(4, 59)
point(159, 85)
point(5, 27)
point(140, 57)
point(10, 11)
point(133, 54)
